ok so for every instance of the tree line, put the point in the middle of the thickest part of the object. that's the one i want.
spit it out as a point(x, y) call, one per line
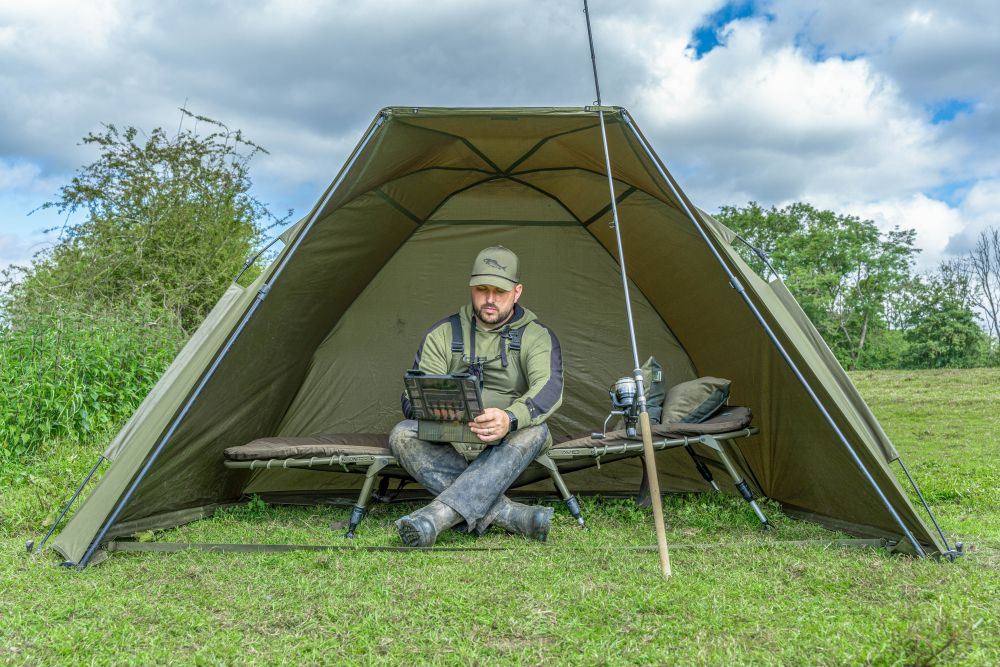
point(859, 288)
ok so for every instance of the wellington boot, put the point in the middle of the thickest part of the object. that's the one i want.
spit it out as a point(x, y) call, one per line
point(421, 528)
point(527, 520)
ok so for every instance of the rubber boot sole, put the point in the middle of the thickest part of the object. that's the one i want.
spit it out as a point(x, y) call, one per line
point(416, 532)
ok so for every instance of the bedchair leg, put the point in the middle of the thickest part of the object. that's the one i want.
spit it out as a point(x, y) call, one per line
point(703, 469)
point(571, 502)
point(738, 480)
point(358, 511)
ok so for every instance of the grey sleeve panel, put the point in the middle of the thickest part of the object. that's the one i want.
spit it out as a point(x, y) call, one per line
point(543, 359)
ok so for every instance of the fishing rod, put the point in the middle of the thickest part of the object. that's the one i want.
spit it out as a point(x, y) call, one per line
point(649, 455)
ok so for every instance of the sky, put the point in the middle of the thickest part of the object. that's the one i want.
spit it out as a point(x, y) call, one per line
point(889, 111)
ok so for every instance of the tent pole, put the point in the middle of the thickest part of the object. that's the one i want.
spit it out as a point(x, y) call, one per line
point(649, 456)
point(261, 295)
point(927, 507)
point(741, 290)
point(253, 258)
point(69, 503)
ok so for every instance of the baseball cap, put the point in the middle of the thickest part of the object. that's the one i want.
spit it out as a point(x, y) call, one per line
point(496, 266)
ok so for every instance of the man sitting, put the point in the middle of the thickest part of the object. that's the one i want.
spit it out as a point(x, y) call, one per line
point(519, 365)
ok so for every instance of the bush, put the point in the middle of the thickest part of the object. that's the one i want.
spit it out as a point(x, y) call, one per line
point(157, 226)
point(168, 217)
point(885, 350)
point(74, 372)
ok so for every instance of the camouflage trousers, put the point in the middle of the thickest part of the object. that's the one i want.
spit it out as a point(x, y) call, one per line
point(473, 488)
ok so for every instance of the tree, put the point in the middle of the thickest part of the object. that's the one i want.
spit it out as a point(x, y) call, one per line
point(841, 269)
point(985, 262)
point(167, 218)
point(942, 330)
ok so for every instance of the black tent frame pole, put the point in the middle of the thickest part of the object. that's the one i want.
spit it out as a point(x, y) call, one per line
point(741, 290)
point(253, 258)
point(913, 483)
point(761, 255)
point(69, 503)
point(261, 295)
point(930, 513)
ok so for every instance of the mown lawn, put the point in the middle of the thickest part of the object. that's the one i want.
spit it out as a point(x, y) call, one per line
point(580, 599)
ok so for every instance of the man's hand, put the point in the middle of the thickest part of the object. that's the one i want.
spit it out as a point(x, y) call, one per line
point(491, 426)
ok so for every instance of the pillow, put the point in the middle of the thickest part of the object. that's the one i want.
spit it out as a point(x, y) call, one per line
point(694, 401)
point(652, 378)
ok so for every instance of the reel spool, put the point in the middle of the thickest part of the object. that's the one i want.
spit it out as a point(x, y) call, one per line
point(623, 403)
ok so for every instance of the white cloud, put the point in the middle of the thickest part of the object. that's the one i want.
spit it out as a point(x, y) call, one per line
point(773, 124)
point(63, 40)
point(979, 209)
point(933, 50)
point(19, 249)
point(17, 176)
point(20, 176)
point(919, 17)
point(943, 231)
point(934, 221)
point(776, 114)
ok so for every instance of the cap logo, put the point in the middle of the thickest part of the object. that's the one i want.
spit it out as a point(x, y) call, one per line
point(495, 264)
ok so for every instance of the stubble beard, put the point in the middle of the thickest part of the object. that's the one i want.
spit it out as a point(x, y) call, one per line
point(496, 318)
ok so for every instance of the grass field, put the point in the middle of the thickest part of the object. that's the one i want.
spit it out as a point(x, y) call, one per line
point(580, 599)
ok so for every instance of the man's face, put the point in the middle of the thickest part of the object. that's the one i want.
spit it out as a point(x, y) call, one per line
point(493, 305)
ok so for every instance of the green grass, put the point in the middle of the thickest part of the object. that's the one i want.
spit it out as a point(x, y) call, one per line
point(579, 599)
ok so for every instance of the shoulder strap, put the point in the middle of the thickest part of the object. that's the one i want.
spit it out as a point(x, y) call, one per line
point(457, 345)
point(515, 338)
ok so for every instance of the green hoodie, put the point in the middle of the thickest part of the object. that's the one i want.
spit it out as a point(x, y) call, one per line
point(529, 384)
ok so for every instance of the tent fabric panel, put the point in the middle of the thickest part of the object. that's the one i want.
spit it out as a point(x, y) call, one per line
point(836, 371)
point(785, 463)
point(502, 199)
point(133, 447)
point(397, 149)
point(825, 469)
point(840, 471)
point(725, 340)
point(584, 150)
point(199, 341)
point(263, 371)
point(791, 319)
point(583, 192)
point(421, 192)
point(503, 138)
point(355, 378)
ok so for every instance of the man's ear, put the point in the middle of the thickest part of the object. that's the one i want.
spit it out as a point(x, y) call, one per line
point(517, 291)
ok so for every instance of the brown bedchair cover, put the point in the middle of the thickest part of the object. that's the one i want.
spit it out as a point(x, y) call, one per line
point(377, 444)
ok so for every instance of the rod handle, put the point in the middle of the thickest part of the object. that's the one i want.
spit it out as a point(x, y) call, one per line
point(654, 492)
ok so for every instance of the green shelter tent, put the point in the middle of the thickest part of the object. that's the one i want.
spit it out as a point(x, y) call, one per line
point(319, 342)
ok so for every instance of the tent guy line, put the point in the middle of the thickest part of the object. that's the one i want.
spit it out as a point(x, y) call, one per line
point(229, 547)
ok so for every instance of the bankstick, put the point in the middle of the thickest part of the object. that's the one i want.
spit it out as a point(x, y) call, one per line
point(649, 455)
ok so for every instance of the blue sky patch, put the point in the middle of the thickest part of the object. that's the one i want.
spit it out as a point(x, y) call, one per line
point(945, 111)
point(951, 193)
point(709, 35)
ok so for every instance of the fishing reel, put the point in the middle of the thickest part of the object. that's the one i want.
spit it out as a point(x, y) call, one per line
point(624, 403)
